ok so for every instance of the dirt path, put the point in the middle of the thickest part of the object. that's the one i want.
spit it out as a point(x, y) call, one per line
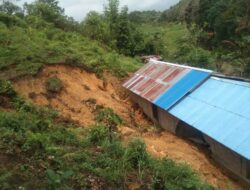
point(81, 87)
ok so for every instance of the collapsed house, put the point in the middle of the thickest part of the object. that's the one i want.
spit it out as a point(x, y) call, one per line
point(199, 105)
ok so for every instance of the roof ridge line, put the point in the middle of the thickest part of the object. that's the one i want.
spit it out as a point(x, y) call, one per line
point(179, 65)
point(244, 83)
point(235, 78)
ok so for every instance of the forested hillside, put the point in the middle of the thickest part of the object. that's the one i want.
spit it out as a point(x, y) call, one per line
point(46, 36)
point(217, 36)
point(179, 11)
point(225, 30)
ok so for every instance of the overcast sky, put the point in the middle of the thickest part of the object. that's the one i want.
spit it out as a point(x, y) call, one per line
point(79, 8)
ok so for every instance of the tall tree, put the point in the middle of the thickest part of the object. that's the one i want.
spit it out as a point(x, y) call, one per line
point(9, 8)
point(111, 12)
point(123, 32)
point(95, 27)
point(49, 10)
point(226, 26)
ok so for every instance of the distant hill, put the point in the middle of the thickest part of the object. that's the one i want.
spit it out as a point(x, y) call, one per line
point(178, 11)
point(144, 16)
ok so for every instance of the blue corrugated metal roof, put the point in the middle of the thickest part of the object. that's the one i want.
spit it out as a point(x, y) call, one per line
point(164, 84)
point(220, 109)
point(186, 84)
point(217, 107)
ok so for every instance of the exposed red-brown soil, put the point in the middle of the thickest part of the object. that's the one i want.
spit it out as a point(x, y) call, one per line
point(81, 87)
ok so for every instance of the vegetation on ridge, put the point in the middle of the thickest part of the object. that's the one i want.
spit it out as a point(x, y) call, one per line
point(46, 36)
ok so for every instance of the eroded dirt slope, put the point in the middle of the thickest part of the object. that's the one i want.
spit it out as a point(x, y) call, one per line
point(81, 88)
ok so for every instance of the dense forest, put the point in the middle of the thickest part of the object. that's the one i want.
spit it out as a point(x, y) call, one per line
point(217, 36)
point(218, 32)
point(39, 150)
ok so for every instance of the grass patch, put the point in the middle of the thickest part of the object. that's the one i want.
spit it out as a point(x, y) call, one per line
point(108, 117)
point(54, 85)
point(28, 68)
point(54, 155)
point(6, 88)
point(24, 51)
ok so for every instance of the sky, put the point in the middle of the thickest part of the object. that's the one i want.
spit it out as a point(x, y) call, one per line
point(79, 8)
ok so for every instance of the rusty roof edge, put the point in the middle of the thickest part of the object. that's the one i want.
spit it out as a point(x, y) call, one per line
point(178, 65)
point(213, 73)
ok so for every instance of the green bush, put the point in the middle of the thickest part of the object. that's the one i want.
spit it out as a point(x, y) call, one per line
point(28, 68)
point(21, 105)
point(136, 154)
point(10, 20)
point(22, 122)
point(62, 136)
point(114, 149)
point(57, 181)
point(35, 142)
point(167, 175)
point(45, 112)
point(24, 129)
point(11, 140)
point(98, 134)
point(200, 58)
point(108, 117)
point(190, 53)
point(15, 122)
point(6, 88)
point(4, 176)
point(54, 85)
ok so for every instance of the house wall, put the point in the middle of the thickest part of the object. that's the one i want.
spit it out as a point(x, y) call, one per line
point(145, 105)
point(167, 121)
point(156, 114)
point(248, 170)
point(186, 131)
point(230, 160)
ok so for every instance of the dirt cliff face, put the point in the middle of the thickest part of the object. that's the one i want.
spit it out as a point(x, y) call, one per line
point(83, 91)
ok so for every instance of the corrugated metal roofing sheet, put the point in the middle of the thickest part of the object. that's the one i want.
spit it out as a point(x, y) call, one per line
point(220, 109)
point(186, 84)
point(164, 84)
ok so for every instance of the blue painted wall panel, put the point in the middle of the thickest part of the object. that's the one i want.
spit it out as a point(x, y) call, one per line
point(219, 108)
point(181, 88)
